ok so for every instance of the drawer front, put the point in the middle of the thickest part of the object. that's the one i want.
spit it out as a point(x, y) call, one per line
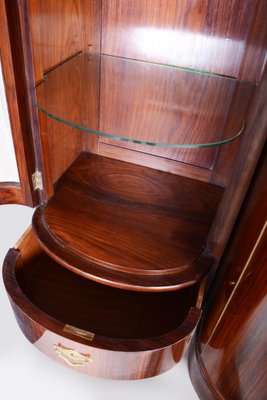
point(96, 361)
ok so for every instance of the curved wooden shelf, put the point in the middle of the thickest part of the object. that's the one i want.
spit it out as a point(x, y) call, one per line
point(128, 226)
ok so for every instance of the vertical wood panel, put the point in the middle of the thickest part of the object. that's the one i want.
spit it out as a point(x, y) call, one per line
point(21, 194)
point(17, 71)
point(255, 53)
point(59, 29)
point(225, 158)
point(242, 171)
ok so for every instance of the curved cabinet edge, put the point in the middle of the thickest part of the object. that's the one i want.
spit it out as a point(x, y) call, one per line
point(199, 375)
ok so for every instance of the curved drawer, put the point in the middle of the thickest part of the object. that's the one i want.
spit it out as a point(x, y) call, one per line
point(93, 328)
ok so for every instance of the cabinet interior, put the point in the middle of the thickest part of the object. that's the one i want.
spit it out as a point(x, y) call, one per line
point(171, 80)
point(119, 95)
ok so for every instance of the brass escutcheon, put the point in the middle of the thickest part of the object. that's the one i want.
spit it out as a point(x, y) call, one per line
point(71, 356)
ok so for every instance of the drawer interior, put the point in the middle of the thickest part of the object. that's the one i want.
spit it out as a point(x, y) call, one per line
point(103, 310)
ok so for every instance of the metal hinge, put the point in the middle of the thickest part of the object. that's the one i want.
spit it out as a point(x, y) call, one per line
point(37, 180)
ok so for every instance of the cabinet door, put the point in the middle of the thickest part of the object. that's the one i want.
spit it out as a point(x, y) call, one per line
point(9, 176)
point(16, 143)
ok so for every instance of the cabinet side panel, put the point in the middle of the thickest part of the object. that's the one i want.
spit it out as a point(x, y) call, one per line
point(255, 53)
point(231, 344)
point(242, 172)
point(60, 29)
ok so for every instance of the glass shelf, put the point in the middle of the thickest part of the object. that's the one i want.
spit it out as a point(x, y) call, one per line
point(141, 102)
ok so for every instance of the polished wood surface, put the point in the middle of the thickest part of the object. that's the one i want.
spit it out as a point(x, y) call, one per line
point(206, 35)
point(17, 18)
point(145, 102)
point(46, 296)
point(230, 349)
point(242, 171)
point(101, 309)
point(11, 193)
point(156, 162)
point(129, 245)
point(222, 168)
point(68, 27)
point(61, 143)
point(60, 29)
point(168, 105)
point(190, 34)
point(63, 38)
point(253, 61)
point(20, 193)
point(83, 19)
point(126, 219)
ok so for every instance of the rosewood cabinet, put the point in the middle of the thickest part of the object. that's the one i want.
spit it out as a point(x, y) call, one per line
point(137, 127)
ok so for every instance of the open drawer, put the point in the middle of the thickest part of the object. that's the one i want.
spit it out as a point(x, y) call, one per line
point(97, 329)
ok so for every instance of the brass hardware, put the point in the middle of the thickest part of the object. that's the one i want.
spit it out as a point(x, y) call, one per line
point(79, 332)
point(71, 356)
point(37, 180)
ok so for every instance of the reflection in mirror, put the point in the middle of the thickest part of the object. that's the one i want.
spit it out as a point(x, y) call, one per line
point(8, 164)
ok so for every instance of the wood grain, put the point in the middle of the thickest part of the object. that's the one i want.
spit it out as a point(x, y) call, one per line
point(129, 220)
point(226, 155)
point(214, 36)
point(152, 161)
point(254, 57)
point(230, 351)
point(242, 171)
point(17, 17)
point(134, 354)
point(101, 309)
point(13, 193)
point(60, 29)
point(167, 105)
point(54, 39)
point(145, 102)
point(73, 93)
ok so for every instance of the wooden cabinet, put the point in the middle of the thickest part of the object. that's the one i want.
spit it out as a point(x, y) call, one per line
point(137, 127)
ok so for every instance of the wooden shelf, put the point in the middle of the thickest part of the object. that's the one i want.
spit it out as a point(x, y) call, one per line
point(143, 102)
point(128, 226)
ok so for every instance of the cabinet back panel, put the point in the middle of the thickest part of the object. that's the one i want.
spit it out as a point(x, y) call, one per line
point(213, 36)
point(186, 99)
point(205, 35)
